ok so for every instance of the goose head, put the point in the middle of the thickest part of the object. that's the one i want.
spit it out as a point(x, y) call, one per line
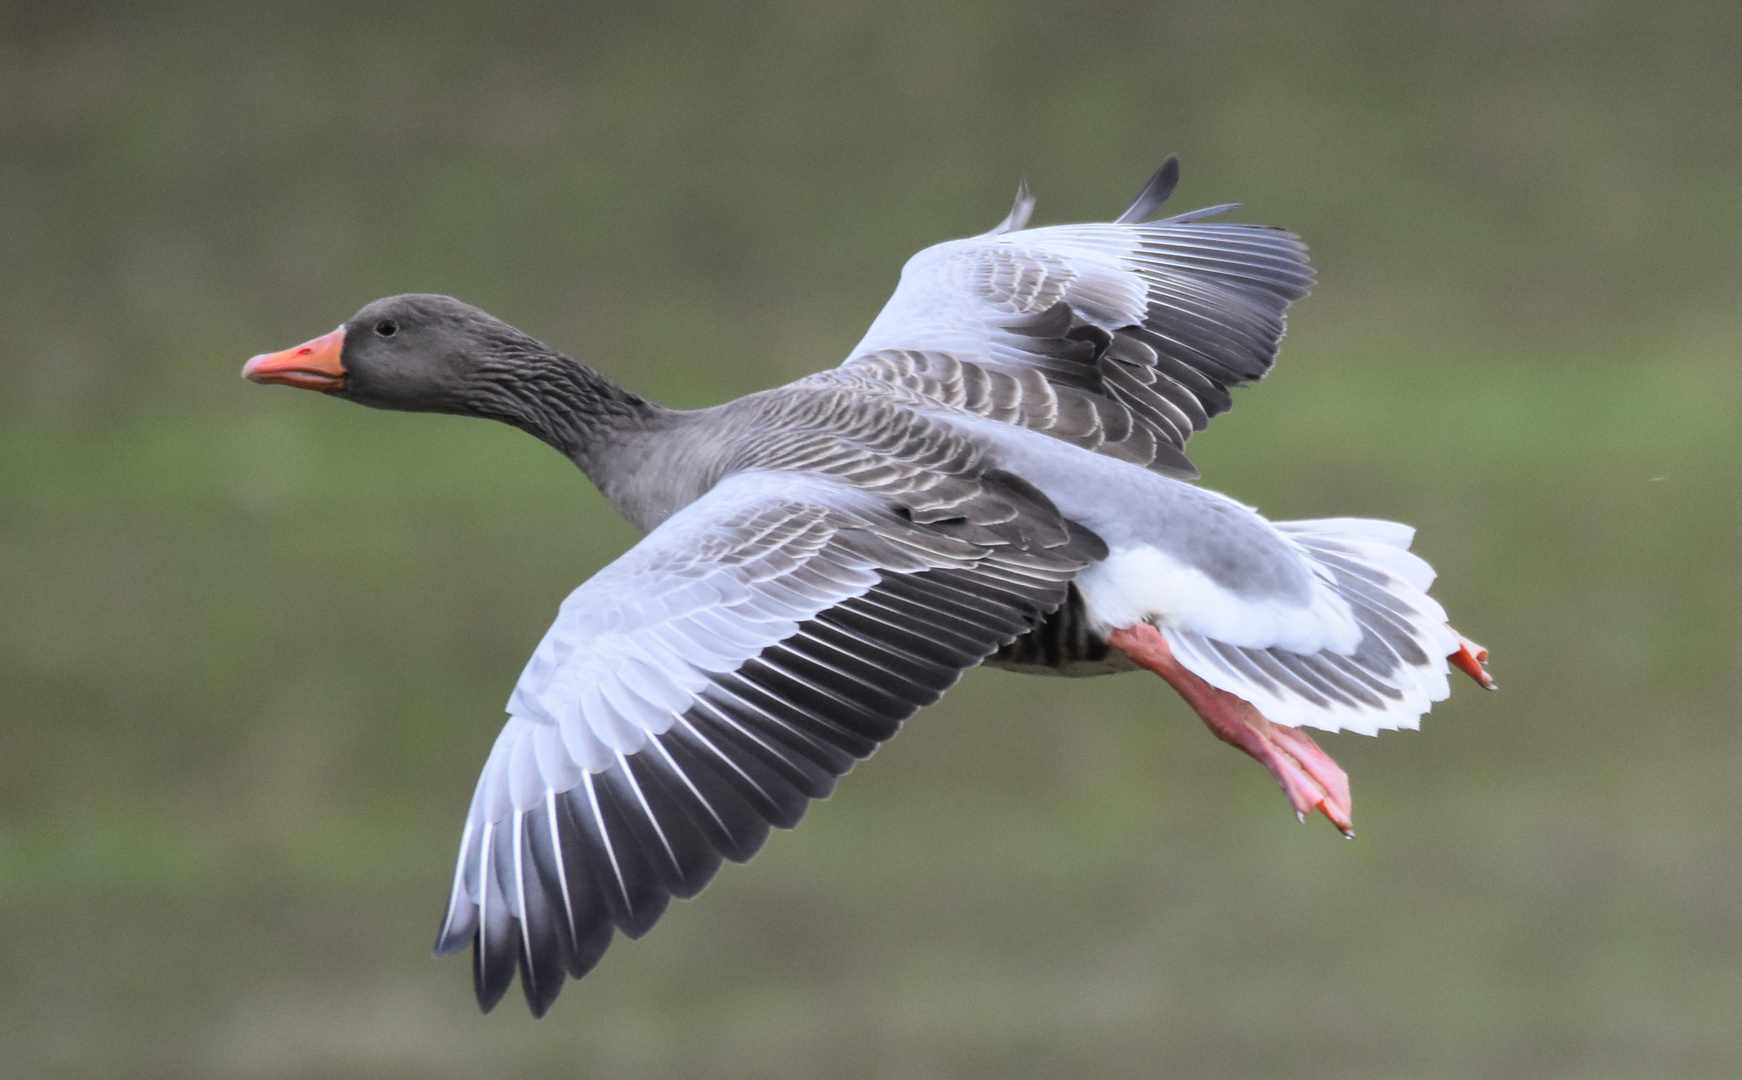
point(418, 352)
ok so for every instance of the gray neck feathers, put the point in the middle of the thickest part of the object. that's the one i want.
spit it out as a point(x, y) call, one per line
point(562, 401)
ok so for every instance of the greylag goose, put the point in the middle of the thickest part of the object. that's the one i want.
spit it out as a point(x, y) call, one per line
point(996, 475)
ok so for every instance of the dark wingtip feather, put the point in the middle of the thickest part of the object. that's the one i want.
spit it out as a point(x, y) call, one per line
point(539, 1004)
point(585, 953)
point(461, 920)
point(494, 958)
point(543, 988)
point(543, 943)
point(450, 941)
point(495, 948)
point(542, 967)
point(1153, 195)
point(459, 925)
point(632, 896)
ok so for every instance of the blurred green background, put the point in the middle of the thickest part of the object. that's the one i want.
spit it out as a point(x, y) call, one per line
point(254, 644)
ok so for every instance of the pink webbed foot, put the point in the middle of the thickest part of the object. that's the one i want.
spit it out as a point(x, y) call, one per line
point(1310, 779)
point(1469, 659)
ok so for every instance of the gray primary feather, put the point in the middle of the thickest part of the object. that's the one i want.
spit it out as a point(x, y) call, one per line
point(1153, 195)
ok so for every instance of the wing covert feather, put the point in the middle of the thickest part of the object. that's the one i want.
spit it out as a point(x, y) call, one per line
point(1123, 338)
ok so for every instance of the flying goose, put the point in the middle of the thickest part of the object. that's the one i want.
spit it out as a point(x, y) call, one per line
point(995, 475)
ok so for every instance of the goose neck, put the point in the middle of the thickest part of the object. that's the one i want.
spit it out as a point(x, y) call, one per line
point(565, 403)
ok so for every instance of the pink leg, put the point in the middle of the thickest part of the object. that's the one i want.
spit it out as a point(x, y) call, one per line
point(1469, 659)
point(1308, 776)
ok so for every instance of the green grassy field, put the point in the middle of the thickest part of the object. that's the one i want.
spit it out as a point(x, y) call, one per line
point(266, 656)
point(255, 644)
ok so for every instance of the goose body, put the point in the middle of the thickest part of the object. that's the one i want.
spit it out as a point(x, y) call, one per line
point(995, 475)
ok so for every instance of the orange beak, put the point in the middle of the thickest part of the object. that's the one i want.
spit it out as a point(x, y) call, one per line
point(313, 365)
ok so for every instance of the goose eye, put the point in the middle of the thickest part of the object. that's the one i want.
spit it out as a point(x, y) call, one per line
point(387, 328)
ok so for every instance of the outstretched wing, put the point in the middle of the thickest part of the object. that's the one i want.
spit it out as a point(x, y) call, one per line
point(1122, 337)
point(711, 682)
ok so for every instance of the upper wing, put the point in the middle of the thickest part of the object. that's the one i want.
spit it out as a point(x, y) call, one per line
point(711, 682)
point(1121, 337)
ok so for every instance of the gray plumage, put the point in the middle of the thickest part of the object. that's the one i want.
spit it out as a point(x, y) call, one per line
point(993, 475)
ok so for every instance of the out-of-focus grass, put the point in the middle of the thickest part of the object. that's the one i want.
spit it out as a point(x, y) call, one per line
point(241, 812)
point(254, 645)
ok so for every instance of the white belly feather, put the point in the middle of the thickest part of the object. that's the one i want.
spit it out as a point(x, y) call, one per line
point(1181, 555)
point(1142, 583)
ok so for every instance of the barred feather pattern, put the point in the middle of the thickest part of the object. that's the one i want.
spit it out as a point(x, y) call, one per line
point(1123, 338)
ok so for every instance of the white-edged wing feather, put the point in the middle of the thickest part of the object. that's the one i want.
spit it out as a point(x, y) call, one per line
point(711, 682)
point(1123, 338)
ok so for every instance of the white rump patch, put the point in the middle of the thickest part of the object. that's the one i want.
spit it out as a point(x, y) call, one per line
point(1144, 584)
point(1371, 624)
